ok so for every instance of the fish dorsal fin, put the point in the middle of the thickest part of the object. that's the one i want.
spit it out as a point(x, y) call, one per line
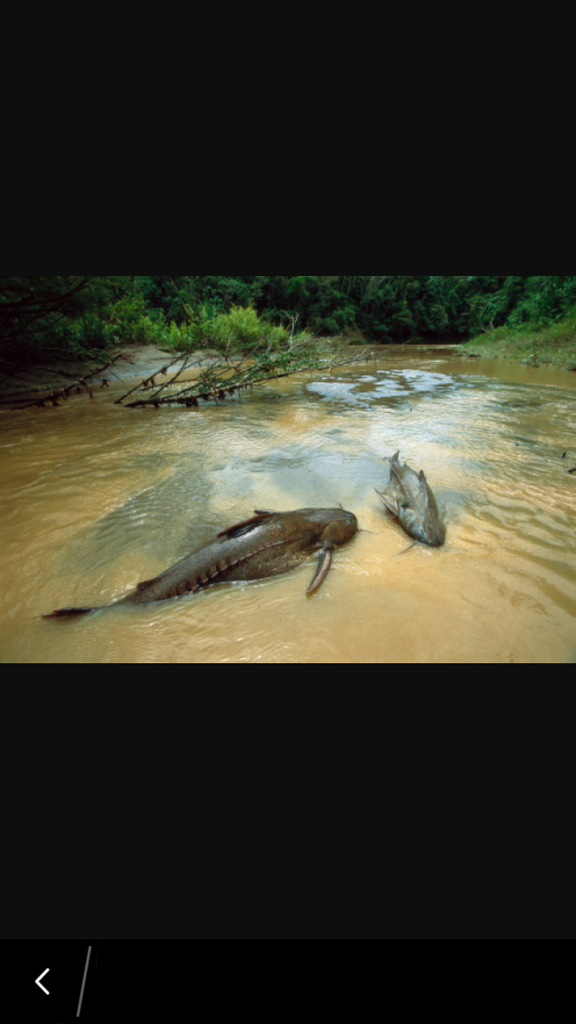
point(396, 471)
point(424, 483)
point(395, 464)
point(243, 527)
point(145, 583)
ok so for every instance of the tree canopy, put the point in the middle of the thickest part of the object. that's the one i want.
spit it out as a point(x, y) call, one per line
point(75, 314)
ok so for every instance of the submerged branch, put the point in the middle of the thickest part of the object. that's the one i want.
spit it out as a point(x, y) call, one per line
point(222, 380)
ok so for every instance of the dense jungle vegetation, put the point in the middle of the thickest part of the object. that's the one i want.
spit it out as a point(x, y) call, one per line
point(55, 316)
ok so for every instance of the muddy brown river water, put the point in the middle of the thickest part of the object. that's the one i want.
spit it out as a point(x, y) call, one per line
point(95, 498)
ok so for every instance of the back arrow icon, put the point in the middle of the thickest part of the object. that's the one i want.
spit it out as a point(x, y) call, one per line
point(39, 979)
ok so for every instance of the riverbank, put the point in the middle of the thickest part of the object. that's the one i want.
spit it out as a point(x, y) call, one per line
point(553, 346)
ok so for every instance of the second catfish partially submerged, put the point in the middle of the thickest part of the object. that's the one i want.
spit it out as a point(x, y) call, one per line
point(268, 544)
point(409, 498)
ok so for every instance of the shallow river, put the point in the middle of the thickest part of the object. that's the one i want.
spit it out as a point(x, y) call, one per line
point(95, 498)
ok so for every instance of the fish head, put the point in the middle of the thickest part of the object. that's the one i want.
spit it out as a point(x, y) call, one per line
point(420, 517)
point(333, 526)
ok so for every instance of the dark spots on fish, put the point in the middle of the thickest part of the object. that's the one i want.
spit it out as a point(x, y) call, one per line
point(187, 587)
point(186, 576)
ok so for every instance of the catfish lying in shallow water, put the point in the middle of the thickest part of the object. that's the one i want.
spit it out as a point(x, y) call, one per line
point(268, 544)
point(409, 498)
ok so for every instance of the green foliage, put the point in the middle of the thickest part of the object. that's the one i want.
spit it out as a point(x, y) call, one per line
point(239, 330)
point(36, 311)
point(243, 329)
point(531, 342)
point(72, 315)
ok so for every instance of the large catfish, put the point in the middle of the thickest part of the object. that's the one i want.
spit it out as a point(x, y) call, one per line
point(409, 498)
point(268, 544)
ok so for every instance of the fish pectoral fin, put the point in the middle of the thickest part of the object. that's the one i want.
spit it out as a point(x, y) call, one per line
point(239, 528)
point(324, 563)
point(391, 505)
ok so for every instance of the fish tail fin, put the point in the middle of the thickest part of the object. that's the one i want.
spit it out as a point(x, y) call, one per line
point(65, 612)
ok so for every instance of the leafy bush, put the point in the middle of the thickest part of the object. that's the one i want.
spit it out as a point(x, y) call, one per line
point(179, 337)
point(242, 328)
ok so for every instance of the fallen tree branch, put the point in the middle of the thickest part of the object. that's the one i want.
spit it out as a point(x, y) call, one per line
point(78, 385)
point(218, 382)
point(150, 381)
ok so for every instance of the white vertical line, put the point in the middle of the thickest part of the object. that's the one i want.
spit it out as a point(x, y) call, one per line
point(84, 981)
